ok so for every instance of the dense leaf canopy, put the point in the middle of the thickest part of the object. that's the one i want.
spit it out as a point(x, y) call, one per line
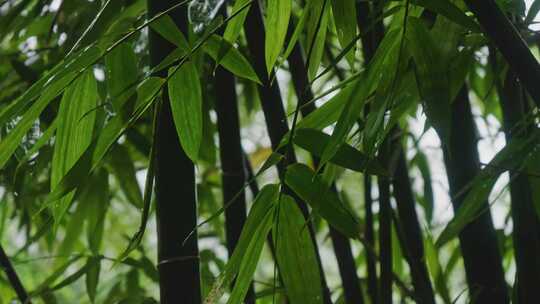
point(317, 151)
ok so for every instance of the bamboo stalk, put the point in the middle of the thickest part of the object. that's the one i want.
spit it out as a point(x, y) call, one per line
point(412, 243)
point(485, 276)
point(525, 235)
point(232, 161)
point(233, 176)
point(385, 241)
point(508, 40)
point(274, 113)
point(178, 263)
point(13, 278)
point(369, 235)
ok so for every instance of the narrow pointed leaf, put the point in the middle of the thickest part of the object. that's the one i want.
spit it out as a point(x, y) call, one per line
point(77, 117)
point(278, 13)
point(296, 255)
point(310, 188)
point(186, 105)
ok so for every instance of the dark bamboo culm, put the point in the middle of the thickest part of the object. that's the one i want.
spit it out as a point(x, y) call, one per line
point(508, 40)
point(481, 255)
point(232, 160)
point(526, 238)
point(13, 278)
point(342, 247)
point(385, 242)
point(411, 240)
point(178, 263)
point(274, 112)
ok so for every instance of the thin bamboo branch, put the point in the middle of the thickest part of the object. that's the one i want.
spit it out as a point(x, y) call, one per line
point(12, 277)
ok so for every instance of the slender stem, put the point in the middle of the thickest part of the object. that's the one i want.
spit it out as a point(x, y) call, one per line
point(369, 234)
point(412, 243)
point(385, 241)
point(479, 247)
point(13, 278)
point(178, 262)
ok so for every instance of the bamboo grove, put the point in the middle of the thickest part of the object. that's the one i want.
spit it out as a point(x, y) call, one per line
point(276, 151)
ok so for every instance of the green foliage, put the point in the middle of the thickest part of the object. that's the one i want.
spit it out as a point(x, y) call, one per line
point(78, 104)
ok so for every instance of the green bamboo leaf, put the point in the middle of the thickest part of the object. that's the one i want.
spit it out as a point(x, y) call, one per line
point(329, 112)
point(347, 156)
point(512, 157)
point(95, 198)
point(310, 188)
point(435, 269)
point(131, 111)
point(344, 12)
point(250, 259)
point(186, 105)
point(432, 77)
point(46, 89)
point(123, 168)
point(450, 11)
point(121, 66)
point(233, 60)
point(296, 254)
point(384, 59)
point(236, 24)
point(92, 277)
point(421, 162)
point(77, 117)
point(248, 248)
point(278, 13)
point(533, 12)
point(166, 27)
point(317, 26)
point(234, 27)
point(296, 34)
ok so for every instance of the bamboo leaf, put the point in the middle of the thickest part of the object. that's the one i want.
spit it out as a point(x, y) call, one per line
point(247, 251)
point(233, 60)
point(121, 66)
point(385, 58)
point(316, 23)
point(296, 254)
point(146, 93)
point(166, 27)
point(512, 157)
point(344, 12)
point(74, 134)
point(278, 13)
point(310, 188)
point(347, 156)
point(432, 78)
point(186, 106)
point(92, 277)
point(450, 11)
